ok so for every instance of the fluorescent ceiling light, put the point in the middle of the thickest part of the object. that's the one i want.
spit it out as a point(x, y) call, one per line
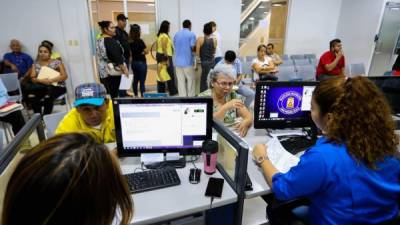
point(277, 4)
point(150, 4)
point(251, 18)
point(264, 0)
point(261, 7)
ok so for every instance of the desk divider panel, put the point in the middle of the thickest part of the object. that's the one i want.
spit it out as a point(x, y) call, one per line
point(232, 164)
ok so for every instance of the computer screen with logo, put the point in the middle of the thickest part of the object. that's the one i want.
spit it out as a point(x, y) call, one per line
point(153, 125)
point(283, 104)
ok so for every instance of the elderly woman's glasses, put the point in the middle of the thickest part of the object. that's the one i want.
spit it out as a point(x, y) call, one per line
point(224, 84)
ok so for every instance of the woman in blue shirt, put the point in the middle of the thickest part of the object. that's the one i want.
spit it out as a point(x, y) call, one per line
point(351, 175)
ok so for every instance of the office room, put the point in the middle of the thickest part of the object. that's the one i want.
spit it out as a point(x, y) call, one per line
point(199, 112)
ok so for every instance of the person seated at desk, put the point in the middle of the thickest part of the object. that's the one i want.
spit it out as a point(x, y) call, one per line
point(15, 118)
point(227, 104)
point(68, 179)
point(351, 175)
point(93, 113)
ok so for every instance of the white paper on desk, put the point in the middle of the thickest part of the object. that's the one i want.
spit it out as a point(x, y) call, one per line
point(126, 82)
point(279, 157)
point(48, 73)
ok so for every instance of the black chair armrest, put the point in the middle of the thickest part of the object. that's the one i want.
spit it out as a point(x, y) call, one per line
point(278, 205)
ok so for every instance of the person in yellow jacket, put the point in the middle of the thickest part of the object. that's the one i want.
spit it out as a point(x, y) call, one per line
point(93, 114)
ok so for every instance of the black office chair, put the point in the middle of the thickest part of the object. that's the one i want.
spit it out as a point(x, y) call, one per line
point(280, 213)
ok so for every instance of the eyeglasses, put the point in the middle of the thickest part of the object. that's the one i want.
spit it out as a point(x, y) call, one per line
point(224, 84)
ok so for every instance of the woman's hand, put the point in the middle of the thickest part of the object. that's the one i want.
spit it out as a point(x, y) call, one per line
point(234, 104)
point(259, 150)
point(242, 128)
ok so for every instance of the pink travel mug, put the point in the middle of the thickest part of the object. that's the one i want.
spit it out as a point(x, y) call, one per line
point(209, 153)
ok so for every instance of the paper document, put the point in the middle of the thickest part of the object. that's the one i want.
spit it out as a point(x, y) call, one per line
point(280, 158)
point(48, 73)
point(126, 82)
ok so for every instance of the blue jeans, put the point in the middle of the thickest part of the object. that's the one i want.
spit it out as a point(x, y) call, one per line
point(139, 69)
point(246, 92)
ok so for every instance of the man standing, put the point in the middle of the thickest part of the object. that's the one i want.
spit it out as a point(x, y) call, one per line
point(17, 61)
point(93, 114)
point(332, 62)
point(122, 36)
point(275, 57)
point(184, 44)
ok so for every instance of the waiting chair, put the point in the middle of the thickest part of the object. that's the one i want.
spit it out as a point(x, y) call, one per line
point(285, 57)
point(286, 73)
point(11, 82)
point(288, 62)
point(246, 68)
point(250, 58)
point(310, 56)
point(357, 69)
point(301, 62)
point(296, 56)
point(306, 72)
point(52, 121)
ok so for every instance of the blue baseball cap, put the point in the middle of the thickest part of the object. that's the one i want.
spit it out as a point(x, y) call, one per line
point(90, 94)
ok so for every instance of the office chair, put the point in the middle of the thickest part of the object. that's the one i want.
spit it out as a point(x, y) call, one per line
point(280, 212)
point(11, 82)
point(52, 121)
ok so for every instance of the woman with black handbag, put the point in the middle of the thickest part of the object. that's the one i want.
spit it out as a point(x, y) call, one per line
point(45, 88)
point(110, 56)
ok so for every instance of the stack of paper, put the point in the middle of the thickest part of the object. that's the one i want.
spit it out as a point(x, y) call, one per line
point(48, 73)
point(280, 158)
point(10, 107)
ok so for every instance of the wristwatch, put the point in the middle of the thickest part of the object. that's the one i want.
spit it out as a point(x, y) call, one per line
point(261, 159)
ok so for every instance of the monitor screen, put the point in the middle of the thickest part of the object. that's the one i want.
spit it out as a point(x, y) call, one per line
point(151, 125)
point(390, 86)
point(283, 104)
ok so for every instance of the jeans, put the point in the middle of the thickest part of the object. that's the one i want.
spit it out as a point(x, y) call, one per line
point(205, 69)
point(48, 93)
point(111, 83)
point(139, 69)
point(248, 93)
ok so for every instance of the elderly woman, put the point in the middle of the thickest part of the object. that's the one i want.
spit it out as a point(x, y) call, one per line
point(228, 107)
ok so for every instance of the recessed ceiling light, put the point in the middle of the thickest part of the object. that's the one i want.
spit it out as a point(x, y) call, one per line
point(251, 18)
point(264, 0)
point(277, 4)
point(150, 4)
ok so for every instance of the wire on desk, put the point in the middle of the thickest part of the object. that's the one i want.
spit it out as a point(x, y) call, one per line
point(140, 168)
point(193, 160)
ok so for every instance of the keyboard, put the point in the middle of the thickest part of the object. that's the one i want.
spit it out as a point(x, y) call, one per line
point(296, 143)
point(152, 179)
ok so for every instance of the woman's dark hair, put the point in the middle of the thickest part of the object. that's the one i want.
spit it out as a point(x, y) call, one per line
point(164, 28)
point(207, 29)
point(358, 115)
point(104, 25)
point(213, 24)
point(261, 46)
point(67, 179)
point(49, 43)
point(134, 33)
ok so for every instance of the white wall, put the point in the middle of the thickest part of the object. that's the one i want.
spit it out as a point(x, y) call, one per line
point(65, 23)
point(226, 13)
point(358, 24)
point(311, 25)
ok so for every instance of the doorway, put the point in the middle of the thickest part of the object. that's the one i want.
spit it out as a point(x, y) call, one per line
point(387, 43)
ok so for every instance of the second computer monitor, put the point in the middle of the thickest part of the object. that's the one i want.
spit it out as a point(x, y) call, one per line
point(153, 125)
point(283, 104)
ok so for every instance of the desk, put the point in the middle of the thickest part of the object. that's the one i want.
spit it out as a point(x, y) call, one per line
point(177, 201)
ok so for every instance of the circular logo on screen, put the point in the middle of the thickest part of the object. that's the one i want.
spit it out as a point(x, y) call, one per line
point(289, 103)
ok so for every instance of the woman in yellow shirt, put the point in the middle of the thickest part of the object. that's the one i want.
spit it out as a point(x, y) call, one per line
point(165, 48)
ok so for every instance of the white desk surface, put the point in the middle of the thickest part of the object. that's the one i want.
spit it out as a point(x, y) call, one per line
point(177, 201)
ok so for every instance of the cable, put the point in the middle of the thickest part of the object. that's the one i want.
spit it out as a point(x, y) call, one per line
point(212, 199)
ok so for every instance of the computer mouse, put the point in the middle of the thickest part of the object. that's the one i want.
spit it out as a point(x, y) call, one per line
point(194, 176)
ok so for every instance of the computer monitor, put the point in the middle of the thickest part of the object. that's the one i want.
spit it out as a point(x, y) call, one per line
point(154, 125)
point(283, 104)
point(29, 136)
point(390, 86)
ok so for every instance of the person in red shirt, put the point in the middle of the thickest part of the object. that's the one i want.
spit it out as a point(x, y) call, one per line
point(331, 63)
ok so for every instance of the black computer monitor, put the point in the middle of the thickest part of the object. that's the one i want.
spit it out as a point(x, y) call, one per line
point(390, 86)
point(154, 125)
point(283, 104)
